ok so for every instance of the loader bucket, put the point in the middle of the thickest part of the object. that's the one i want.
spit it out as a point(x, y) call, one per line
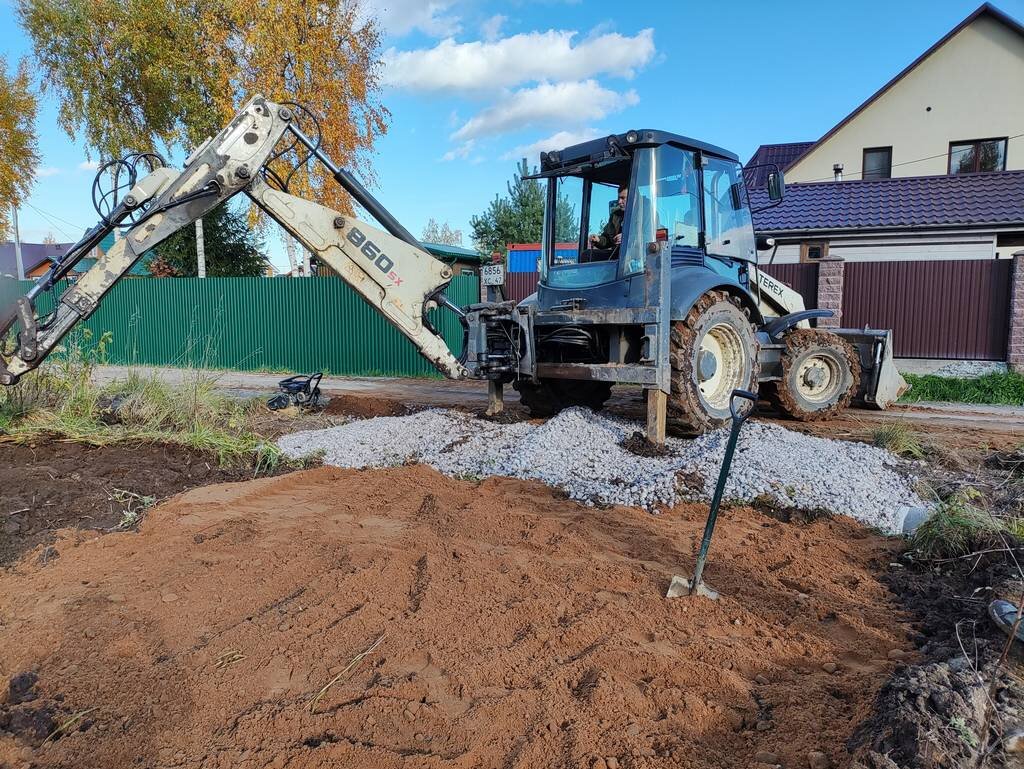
point(880, 383)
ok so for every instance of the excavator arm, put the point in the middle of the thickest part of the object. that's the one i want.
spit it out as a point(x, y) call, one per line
point(387, 267)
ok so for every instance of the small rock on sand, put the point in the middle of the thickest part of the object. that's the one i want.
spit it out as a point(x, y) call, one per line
point(1014, 741)
point(817, 760)
point(765, 757)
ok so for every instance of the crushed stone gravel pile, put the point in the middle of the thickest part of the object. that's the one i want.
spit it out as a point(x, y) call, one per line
point(580, 452)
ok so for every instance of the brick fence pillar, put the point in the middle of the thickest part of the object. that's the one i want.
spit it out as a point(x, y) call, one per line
point(1015, 344)
point(830, 291)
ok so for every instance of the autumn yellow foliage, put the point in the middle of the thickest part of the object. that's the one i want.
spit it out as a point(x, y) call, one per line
point(164, 74)
point(18, 152)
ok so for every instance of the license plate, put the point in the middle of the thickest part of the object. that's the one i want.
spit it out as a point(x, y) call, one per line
point(493, 274)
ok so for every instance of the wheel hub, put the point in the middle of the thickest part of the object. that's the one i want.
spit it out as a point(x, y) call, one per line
point(707, 365)
point(815, 376)
point(720, 365)
point(819, 378)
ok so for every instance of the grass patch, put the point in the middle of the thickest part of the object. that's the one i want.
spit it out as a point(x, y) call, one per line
point(1006, 389)
point(898, 438)
point(956, 528)
point(62, 400)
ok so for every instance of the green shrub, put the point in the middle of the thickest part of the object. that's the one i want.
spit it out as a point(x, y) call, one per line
point(897, 438)
point(955, 528)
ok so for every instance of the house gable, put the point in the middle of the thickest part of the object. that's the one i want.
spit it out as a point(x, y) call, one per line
point(964, 87)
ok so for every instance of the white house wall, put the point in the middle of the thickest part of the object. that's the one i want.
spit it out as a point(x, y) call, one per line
point(896, 248)
point(974, 87)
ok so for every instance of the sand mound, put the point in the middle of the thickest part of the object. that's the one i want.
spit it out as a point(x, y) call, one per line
point(515, 629)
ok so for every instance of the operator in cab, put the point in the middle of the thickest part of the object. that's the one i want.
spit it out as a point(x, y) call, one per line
point(606, 245)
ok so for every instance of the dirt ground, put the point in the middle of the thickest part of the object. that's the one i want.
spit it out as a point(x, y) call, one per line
point(398, 618)
point(501, 625)
point(50, 485)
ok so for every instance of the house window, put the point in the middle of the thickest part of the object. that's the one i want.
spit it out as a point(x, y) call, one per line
point(877, 163)
point(813, 250)
point(976, 155)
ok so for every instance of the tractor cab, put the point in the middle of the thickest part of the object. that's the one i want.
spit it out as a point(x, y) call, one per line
point(680, 195)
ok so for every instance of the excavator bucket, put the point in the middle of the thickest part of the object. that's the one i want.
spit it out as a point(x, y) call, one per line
point(880, 383)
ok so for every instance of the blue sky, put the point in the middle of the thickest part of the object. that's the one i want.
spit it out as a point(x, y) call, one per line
point(472, 85)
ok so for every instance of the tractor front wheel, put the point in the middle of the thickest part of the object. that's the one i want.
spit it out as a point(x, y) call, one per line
point(820, 374)
point(713, 352)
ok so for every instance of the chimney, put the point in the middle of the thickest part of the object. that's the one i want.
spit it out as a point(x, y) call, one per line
point(837, 171)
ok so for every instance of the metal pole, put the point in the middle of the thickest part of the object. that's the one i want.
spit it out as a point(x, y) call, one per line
point(17, 244)
point(200, 250)
point(352, 186)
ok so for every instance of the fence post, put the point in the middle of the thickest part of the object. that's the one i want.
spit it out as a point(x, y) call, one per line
point(1015, 338)
point(830, 291)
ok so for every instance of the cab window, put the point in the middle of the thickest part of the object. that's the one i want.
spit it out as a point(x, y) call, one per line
point(667, 198)
point(728, 230)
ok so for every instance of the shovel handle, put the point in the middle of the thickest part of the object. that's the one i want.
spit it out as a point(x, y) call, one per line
point(737, 415)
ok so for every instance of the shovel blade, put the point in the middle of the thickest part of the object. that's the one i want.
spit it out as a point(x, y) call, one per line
point(681, 586)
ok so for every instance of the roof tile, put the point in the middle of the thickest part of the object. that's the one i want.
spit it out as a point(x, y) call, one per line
point(914, 201)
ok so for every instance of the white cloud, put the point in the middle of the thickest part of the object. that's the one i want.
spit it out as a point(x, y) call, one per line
point(459, 153)
point(88, 165)
point(43, 171)
point(479, 66)
point(556, 141)
point(491, 28)
point(547, 103)
point(400, 17)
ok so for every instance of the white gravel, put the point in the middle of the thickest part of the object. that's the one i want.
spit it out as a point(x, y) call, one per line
point(969, 369)
point(580, 452)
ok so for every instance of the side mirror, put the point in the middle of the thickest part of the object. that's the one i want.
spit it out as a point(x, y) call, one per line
point(776, 185)
point(763, 242)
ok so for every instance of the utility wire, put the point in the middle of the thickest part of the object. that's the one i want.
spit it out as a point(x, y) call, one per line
point(50, 218)
point(906, 162)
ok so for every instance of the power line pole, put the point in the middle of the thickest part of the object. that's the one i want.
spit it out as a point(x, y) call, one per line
point(289, 247)
point(200, 250)
point(17, 244)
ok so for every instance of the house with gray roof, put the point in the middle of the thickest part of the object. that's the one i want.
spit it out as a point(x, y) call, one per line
point(909, 212)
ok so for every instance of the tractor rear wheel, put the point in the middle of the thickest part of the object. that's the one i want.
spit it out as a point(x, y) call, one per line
point(552, 395)
point(820, 374)
point(713, 352)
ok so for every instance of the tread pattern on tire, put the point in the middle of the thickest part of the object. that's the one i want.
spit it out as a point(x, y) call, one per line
point(686, 414)
point(798, 341)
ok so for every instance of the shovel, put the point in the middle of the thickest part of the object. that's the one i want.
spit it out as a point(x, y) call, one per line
point(680, 585)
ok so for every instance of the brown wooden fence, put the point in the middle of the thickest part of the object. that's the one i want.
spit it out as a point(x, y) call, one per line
point(936, 309)
point(519, 285)
point(802, 278)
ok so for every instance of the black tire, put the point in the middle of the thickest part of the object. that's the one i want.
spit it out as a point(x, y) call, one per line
point(713, 352)
point(552, 395)
point(827, 357)
point(278, 402)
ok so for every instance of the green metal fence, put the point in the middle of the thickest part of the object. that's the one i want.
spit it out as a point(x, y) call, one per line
point(316, 324)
